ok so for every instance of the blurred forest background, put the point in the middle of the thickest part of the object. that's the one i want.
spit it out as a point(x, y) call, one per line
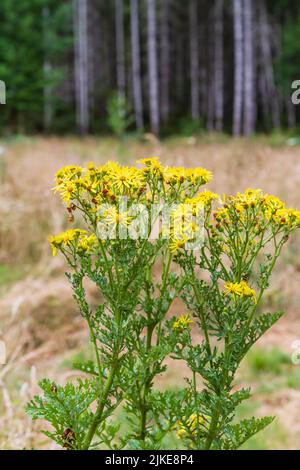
point(195, 82)
point(162, 65)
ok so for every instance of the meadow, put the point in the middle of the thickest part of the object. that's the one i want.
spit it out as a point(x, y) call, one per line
point(39, 320)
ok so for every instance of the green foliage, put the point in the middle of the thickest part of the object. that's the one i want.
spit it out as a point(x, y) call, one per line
point(287, 66)
point(237, 434)
point(66, 408)
point(119, 115)
point(23, 51)
point(270, 361)
point(188, 127)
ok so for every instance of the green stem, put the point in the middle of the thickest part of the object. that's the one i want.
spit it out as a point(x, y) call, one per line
point(94, 341)
point(212, 429)
point(202, 319)
point(146, 388)
point(100, 408)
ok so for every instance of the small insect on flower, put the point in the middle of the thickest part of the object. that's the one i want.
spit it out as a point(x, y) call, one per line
point(182, 323)
point(68, 438)
point(240, 289)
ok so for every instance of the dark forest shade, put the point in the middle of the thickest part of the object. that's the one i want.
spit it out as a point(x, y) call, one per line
point(221, 65)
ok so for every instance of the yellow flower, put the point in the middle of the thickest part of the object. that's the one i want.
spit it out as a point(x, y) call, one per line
point(189, 426)
point(198, 175)
point(174, 175)
point(86, 244)
point(68, 172)
point(250, 198)
point(182, 323)
point(123, 179)
point(65, 239)
point(67, 190)
point(177, 243)
point(240, 289)
point(271, 204)
point(181, 214)
point(286, 217)
point(205, 198)
point(113, 217)
point(222, 215)
point(153, 165)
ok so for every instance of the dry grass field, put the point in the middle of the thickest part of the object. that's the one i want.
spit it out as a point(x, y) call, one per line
point(38, 318)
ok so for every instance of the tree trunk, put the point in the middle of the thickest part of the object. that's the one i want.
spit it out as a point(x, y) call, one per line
point(48, 92)
point(238, 67)
point(219, 66)
point(136, 65)
point(91, 27)
point(120, 47)
point(164, 60)
point(249, 77)
point(81, 65)
point(152, 67)
point(194, 59)
point(203, 73)
point(266, 62)
point(211, 96)
point(179, 69)
point(291, 113)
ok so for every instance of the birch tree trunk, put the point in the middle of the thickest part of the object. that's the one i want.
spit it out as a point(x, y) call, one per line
point(120, 47)
point(164, 60)
point(91, 27)
point(152, 66)
point(238, 67)
point(219, 66)
point(81, 65)
point(249, 77)
point(136, 64)
point(194, 59)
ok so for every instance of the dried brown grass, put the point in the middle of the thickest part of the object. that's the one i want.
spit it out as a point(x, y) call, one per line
point(39, 320)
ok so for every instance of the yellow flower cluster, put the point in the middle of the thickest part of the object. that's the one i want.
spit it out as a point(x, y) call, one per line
point(153, 166)
point(205, 198)
point(194, 176)
point(99, 184)
point(189, 426)
point(184, 228)
point(112, 217)
point(106, 183)
point(267, 209)
point(240, 289)
point(77, 239)
point(182, 323)
point(86, 244)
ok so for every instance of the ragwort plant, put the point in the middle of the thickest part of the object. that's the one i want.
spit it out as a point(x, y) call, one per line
point(223, 291)
point(218, 260)
point(126, 329)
